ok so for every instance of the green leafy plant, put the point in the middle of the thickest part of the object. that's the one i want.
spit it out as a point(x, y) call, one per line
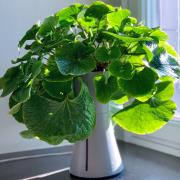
point(133, 61)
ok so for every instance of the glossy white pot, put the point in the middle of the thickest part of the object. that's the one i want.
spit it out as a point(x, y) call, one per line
point(98, 156)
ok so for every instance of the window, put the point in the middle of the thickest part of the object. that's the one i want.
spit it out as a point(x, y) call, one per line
point(170, 22)
point(164, 13)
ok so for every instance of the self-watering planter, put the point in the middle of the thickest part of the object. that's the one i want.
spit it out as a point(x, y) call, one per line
point(97, 156)
point(74, 63)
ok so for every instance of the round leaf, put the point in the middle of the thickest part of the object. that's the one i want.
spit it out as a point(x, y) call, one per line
point(160, 35)
point(105, 87)
point(30, 35)
point(102, 55)
point(144, 118)
point(165, 90)
point(76, 67)
point(47, 26)
point(58, 89)
point(18, 115)
point(51, 72)
point(11, 80)
point(125, 38)
point(69, 13)
point(98, 10)
point(22, 94)
point(78, 61)
point(120, 69)
point(141, 84)
point(164, 63)
point(115, 18)
point(71, 119)
point(119, 97)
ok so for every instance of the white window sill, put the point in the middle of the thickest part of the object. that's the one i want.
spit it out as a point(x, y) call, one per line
point(177, 118)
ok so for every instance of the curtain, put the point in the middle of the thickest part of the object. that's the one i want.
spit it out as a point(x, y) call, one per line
point(146, 11)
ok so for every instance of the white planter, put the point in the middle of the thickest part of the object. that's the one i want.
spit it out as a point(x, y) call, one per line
point(98, 156)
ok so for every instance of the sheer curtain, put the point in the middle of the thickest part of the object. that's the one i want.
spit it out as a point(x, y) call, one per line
point(170, 22)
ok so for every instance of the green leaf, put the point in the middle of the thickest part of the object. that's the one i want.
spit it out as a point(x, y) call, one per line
point(36, 47)
point(22, 94)
point(174, 65)
point(165, 90)
point(30, 35)
point(143, 118)
point(160, 35)
point(78, 50)
point(136, 60)
point(122, 100)
point(115, 18)
point(51, 72)
point(170, 50)
point(27, 134)
point(48, 25)
point(105, 87)
point(15, 109)
point(133, 20)
point(55, 76)
point(53, 140)
point(78, 61)
point(125, 38)
point(36, 68)
point(149, 53)
point(87, 23)
point(141, 30)
point(102, 55)
point(1, 83)
point(141, 84)
point(69, 13)
point(144, 98)
point(19, 114)
point(124, 70)
point(26, 70)
point(115, 52)
point(98, 9)
point(26, 57)
point(71, 119)
point(127, 23)
point(119, 97)
point(164, 63)
point(58, 90)
point(11, 80)
point(76, 67)
point(167, 78)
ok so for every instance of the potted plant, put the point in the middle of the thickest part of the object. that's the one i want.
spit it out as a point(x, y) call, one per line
point(78, 60)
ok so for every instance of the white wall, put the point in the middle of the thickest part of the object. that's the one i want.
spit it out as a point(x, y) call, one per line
point(16, 17)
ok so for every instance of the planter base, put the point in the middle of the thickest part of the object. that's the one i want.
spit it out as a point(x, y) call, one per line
point(120, 174)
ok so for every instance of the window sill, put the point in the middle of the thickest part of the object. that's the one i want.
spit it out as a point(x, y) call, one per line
point(177, 118)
